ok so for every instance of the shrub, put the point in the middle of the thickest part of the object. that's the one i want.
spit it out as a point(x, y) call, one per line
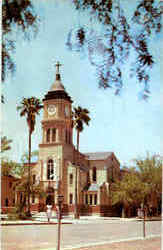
point(18, 213)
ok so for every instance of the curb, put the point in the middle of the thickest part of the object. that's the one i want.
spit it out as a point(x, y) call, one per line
point(29, 224)
point(9, 223)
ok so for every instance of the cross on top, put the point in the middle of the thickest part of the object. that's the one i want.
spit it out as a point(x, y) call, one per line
point(57, 67)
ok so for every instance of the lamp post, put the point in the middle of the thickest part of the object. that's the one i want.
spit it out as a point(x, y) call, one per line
point(76, 210)
point(144, 214)
point(143, 211)
point(76, 165)
point(60, 201)
point(76, 193)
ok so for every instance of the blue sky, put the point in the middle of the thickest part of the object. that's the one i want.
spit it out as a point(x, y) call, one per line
point(125, 125)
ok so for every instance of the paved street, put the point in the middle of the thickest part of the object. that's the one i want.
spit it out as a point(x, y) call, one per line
point(74, 235)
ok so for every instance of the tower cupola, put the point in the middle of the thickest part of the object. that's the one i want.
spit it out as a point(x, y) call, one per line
point(57, 90)
point(57, 116)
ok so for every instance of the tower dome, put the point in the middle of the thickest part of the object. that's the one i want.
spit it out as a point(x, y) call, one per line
point(57, 85)
point(57, 90)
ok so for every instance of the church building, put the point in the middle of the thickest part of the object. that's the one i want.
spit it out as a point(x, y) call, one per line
point(58, 160)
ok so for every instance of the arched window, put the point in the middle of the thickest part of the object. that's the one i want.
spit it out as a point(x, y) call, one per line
point(94, 174)
point(53, 134)
point(90, 199)
point(50, 170)
point(71, 178)
point(71, 198)
point(48, 135)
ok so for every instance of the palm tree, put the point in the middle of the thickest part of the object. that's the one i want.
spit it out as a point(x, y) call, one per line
point(30, 107)
point(5, 144)
point(80, 117)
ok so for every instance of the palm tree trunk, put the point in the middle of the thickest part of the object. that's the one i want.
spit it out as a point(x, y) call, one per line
point(78, 141)
point(29, 173)
point(76, 181)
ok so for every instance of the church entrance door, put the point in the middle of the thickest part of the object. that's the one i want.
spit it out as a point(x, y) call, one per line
point(50, 199)
point(50, 196)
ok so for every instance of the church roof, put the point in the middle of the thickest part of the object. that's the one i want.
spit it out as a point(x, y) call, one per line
point(57, 94)
point(98, 155)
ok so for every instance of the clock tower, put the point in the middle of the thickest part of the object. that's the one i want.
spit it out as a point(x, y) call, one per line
point(56, 137)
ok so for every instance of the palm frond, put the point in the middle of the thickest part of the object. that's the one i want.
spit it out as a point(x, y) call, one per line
point(30, 107)
point(5, 144)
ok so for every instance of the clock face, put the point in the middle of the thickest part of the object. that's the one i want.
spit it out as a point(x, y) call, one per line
point(51, 109)
point(66, 111)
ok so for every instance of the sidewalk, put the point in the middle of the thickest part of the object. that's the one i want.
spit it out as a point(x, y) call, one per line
point(153, 243)
point(147, 244)
point(41, 220)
